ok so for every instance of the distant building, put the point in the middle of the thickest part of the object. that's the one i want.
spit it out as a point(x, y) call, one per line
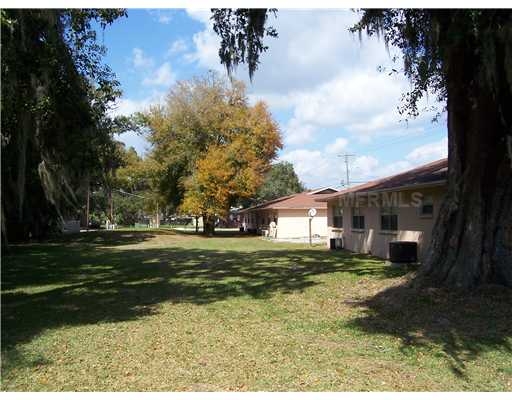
point(71, 226)
point(402, 207)
point(290, 214)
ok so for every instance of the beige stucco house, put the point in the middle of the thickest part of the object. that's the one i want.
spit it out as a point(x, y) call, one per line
point(290, 214)
point(402, 207)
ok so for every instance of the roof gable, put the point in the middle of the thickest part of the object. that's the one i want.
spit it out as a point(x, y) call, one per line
point(300, 201)
point(326, 190)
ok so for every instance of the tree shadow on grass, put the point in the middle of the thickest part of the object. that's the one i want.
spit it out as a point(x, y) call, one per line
point(78, 283)
point(225, 233)
point(113, 238)
point(464, 325)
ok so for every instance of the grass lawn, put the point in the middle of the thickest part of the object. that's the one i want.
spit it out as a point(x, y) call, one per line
point(165, 311)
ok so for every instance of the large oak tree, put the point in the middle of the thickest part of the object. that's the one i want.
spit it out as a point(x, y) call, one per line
point(56, 133)
point(212, 147)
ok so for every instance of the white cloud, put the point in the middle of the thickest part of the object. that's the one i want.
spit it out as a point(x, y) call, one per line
point(140, 60)
point(178, 46)
point(312, 167)
point(368, 167)
point(312, 47)
point(339, 145)
point(206, 52)
point(162, 16)
point(127, 106)
point(429, 152)
point(163, 76)
point(321, 72)
point(393, 168)
point(317, 168)
point(323, 168)
point(200, 14)
point(364, 103)
point(274, 100)
point(206, 42)
point(362, 168)
point(347, 99)
point(164, 19)
point(297, 132)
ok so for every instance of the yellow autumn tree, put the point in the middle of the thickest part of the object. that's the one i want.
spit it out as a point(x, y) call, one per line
point(213, 147)
point(220, 178)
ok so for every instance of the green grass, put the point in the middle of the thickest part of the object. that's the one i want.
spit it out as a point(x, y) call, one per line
point(165, 311)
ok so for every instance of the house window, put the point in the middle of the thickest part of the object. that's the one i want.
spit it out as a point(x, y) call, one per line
point(357, 218)
point(337, 217)
point(427, 207)
point(389, 219)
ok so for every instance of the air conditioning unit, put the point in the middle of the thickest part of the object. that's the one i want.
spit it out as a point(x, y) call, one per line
point(403, 252)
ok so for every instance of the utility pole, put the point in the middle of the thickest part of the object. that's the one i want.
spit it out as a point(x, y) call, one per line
point(346, 156)
point(88, 204)
point(310, 240)
point(111, 206)
point(157, 219)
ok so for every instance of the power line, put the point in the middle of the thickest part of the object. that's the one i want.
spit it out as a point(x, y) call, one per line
point(393, 142)
point(128, 194)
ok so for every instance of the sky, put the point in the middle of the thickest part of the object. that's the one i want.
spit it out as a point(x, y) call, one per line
point(330, 92)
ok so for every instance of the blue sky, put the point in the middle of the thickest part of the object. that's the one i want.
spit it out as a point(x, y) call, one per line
point(322, 85)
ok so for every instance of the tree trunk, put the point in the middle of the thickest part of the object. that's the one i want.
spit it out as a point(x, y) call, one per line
point(208, 225)
point(472, 238)
point(111, 205)
point(88, 204)
point(157, 216)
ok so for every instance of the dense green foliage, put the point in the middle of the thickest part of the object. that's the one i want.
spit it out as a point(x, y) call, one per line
point(121, 195)
point(281, 180)
point(56, 135)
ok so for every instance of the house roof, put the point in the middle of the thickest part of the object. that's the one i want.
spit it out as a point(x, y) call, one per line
point(299, 201)
point(430, 174)
point(324, 190)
